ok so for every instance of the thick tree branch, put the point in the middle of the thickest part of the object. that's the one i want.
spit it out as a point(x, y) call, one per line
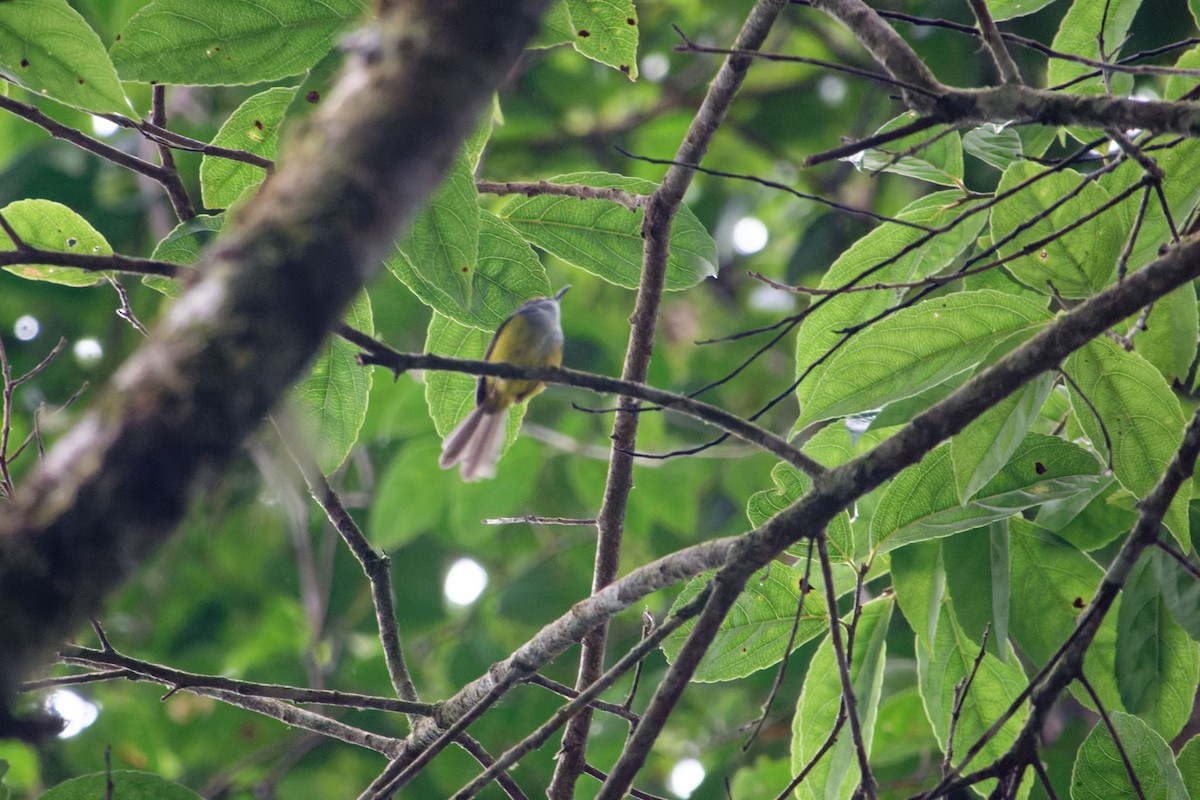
point(116, 485)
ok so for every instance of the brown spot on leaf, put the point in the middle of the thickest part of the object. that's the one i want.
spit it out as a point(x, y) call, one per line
point(1039, 468)
point(1078, 602)
point(624, 68)
point(630, 21)
point(466, 269)
point(583, 34)
point(258, 124)
point(24, 62)
point(118, 37)
point(313, 97)
point(81, 81)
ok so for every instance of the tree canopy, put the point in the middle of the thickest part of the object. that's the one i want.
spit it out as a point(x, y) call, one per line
point(868, 471)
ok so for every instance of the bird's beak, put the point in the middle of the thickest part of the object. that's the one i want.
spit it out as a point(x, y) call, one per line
point(558, 295)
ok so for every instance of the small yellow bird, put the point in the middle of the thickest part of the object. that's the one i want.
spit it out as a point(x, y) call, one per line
point(530, 337)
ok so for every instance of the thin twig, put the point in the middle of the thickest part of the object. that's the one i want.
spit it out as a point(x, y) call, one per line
point(1129, 770)
point(960, 696)
point(849, 701)
point(19, 244)
point(995, 43)
point(1186, 562)
point(561, 689)
point(1108, 448)
point(805, 588)
point(171, 182)
point(533, 519)
point(376, 566)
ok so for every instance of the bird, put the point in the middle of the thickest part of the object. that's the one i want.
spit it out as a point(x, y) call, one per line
point(531, 337)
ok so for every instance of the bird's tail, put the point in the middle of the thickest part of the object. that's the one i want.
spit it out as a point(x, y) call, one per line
point(475, 444)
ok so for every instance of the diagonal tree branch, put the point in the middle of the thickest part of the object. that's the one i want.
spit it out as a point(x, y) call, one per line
point(116, 485)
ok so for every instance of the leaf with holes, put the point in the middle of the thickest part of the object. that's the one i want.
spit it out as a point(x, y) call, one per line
point(1078, 262)
point(922, 502)
point(254, 128)
point(47, 47)
point(47, 225)
point(225, 42)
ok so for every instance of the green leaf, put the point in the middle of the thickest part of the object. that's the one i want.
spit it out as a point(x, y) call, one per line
point(1100, 773)
point(995, 687)
point(506, 274)
point(436, 256)
point(1179, 85)
point(450, 396)
point(334, 396)
point(981, 449)
point(1172, 329)
point(1007, 9)
point(939, 162)
point(1079, 262)
point(996, 145)
point(923, 255)
point(919, 581)
point(1090, 519)
point(224, 42)
point(1180, 590)
point(921, 502)
point(916, 348)
point(126, 784)
point(1140, 413)
point(837, 774)
point(605, 31)
point(1077, 35)
point(47, 225)
point(411, 495)
point(755, 633)
point(831, 447)
point(183, 245)
point(1181, 164)
point(556, 27)
point(254, 128)
point(1052, 583)
point(1157, 664)
point(605, 238)
point(48, 47)
point(1188, 762)
point(1001, 569)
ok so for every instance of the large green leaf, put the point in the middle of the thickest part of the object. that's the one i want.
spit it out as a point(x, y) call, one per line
point(836, 775)
point(606, 32)
point(923, 255)
point(982, 448)
point(1077, 35)
point(933, 155)
point(1052, 583)
point(125, 784)
point(1007, 9)
point(993, 689)
point(334, 395)
point(916, 348)
point(1140, 414)
point(1188, 762)
point(1180, 162)
point(755, 633)
point(221, 42)
point(605, 238)
point(1169, 339)
point(47, 225)
point(1157, 664)
point(439, 252)
point(922, 503)
point(47, 47)
point(1100, 772)
point(1180, 590)
point(919, 581)
point(253, 127)
point(1080, 262)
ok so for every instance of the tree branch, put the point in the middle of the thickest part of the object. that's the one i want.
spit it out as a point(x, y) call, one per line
point(117, 484)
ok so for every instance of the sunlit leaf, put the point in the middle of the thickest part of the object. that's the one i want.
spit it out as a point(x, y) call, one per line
point(47, 47)
point(47, 225)
point(254, 128)
point(222, 42)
